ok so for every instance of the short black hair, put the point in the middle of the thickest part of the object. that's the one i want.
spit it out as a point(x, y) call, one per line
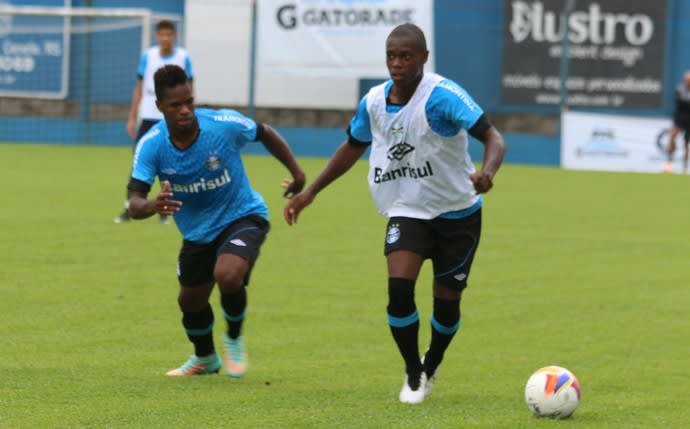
point(168, 76)
point(410, 30)
point(165, 24)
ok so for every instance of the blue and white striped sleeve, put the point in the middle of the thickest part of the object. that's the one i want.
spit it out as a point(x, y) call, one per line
point(142, 65)
point(144, 164)
point(450, 102)
point(360, 127)
point(188, 67)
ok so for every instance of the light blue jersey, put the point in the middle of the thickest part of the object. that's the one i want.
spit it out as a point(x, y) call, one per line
point(208, 176)
point(448, 110)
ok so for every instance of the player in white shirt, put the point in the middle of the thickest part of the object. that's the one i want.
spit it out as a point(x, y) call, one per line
point(144, 97)
point(422, 178)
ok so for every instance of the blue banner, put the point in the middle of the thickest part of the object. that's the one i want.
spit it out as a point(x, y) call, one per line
point(33, 56)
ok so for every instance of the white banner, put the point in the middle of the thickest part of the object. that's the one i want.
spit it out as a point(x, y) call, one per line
point(591, 141)
point(339, 38)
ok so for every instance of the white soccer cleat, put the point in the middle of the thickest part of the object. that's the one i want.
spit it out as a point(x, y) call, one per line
point(429, 385)
point(413, 391)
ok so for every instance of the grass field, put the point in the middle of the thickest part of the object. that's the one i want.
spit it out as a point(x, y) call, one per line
point(585, 270)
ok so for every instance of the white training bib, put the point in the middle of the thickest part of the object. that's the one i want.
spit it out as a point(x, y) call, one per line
point(413, 171)
point(154, 61)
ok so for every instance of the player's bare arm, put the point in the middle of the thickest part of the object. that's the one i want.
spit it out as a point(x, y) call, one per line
point(278, 147)
point(494, 149)
point(343, 159)
point(140, 207)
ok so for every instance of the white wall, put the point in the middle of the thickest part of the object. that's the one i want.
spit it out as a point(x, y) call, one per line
point(217, 37)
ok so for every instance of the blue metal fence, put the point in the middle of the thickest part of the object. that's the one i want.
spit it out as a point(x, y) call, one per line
point(468, 49)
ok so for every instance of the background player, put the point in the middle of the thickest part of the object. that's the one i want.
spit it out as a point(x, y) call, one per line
point(681, 123)
point(422, 178)
point(196, 155)
point(144, 98)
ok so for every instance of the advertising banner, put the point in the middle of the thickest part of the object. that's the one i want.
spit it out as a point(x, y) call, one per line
point(615, 53)
point(33, 55)
point(592, 141)
point(341, 38)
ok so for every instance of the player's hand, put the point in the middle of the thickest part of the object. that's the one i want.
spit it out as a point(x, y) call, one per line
point(295, 206)
point(131, 128)
point(294, 186)
point(164, 205)
point(482, 181)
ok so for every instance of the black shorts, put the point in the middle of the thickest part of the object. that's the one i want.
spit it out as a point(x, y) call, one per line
point(449, 243)
point(681, 121)
point(243, 237)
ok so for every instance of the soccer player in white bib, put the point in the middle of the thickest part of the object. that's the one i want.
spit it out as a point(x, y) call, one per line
point(422, 178)
point(144, 97)
point(195, 153)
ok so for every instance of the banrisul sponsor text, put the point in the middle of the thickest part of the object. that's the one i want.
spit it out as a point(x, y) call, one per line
point(203, 184)
point(405, 171)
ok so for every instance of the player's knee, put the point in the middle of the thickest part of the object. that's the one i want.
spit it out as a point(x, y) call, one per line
point(445, 292)
point(230, 280)
point(445, 319)
point(400, 296)
point(191, 302)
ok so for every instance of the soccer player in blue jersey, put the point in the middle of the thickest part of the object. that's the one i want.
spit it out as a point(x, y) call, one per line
point(195, 153)
point(422, 178)
point(144, 98)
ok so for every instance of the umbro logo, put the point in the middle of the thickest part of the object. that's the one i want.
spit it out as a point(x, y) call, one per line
point(460, 277)
point(398, 151)
point(238, 242)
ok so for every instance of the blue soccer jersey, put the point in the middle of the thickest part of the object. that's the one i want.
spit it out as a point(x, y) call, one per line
point(449, 109)
point(208, 176)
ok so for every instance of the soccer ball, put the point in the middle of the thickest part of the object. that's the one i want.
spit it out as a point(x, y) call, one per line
point(552, 391)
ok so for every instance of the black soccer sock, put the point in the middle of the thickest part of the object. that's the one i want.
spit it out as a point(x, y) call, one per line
point(199, 328)
point(404, 321)
point(234, 306)
point(445, 322)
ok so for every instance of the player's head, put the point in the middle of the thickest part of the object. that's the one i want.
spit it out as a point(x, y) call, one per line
point(165, 35)
point(174, 98)
point(686, 78)
point(406, 54)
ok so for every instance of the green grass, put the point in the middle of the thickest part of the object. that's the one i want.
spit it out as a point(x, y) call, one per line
point(585, 270)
